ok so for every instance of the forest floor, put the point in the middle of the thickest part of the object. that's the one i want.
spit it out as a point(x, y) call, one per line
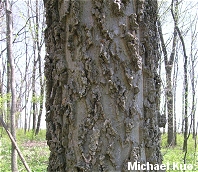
point(36, 152)
point(34, 149)
point(175, 155)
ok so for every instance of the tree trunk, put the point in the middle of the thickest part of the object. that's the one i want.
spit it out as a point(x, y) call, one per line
point(175, 75)
point(34, 90)
point(186, 134)
point(8, 95)
point(185, 144)
point(102, 86)
point(34, 33)
point(12, 83)
point(39, 46)
point(169, 100)
point(193, 83)
point(1, 95)
point(169, 62)
point(26, 83)
point(193, 101)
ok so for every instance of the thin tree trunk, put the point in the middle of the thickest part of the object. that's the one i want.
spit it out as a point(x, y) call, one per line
point(12, 83)
point(33, 33)
point(193, 82)
point(183, 91)
point(169, 100)
point(1, 94)
point(40, 72)
point(186, 91)
point(29, 120)
point(26, 67)
point(169, 89)
point(169, 62)
point(175, 74)
point(185, 82)
point(185, 105)
point(40, 108)
point(34, 90)
point(193, 101)
point(102, 95)
point(8, 91)
point(27, 92)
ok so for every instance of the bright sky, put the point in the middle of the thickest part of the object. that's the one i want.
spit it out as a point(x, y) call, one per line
point(188, 13)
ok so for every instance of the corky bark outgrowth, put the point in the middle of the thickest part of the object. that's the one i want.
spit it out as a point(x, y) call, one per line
point(102, 86)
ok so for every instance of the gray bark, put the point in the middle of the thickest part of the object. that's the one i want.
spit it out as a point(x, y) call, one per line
point(102, 87)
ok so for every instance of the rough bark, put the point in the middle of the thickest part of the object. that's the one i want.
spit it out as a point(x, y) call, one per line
point(102, 99)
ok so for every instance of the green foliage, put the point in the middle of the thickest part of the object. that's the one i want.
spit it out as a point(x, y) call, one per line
point(33, 148)
point(30, 135)
point(5, 152)
point(176, 154)
point(4, 98)
point(36, 151)
point(37, 99)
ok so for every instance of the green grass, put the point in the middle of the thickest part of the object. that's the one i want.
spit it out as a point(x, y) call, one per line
point(36, 152)
point(33, 148)
point(176, 154)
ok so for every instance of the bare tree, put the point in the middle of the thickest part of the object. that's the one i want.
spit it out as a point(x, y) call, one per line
point(175, 82)
point(193, 59)
point(185, 66)
point(12, 82)
point(39, 44)
point(34, 87)
point(169, 62)
point(27, 85)
point(1, 80)
point(28, 37)
point(36, 25)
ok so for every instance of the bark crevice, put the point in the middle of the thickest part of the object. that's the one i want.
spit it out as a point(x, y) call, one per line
point(102, 97)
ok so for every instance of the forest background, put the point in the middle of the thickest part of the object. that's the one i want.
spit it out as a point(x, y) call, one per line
point(177, 68)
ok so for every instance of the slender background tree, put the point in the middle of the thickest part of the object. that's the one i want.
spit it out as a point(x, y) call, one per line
point(11, 66)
